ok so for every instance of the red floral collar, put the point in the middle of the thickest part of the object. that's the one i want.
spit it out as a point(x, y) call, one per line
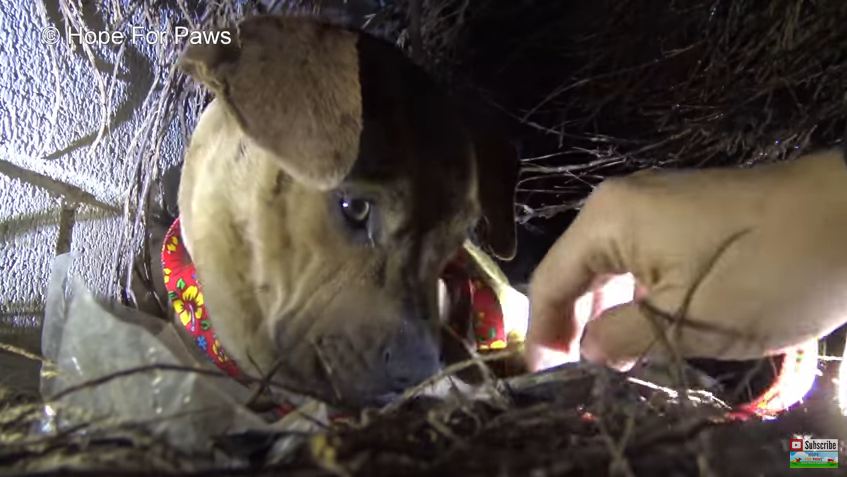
point(186, 297)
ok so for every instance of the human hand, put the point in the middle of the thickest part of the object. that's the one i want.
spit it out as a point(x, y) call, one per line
point(727, 264)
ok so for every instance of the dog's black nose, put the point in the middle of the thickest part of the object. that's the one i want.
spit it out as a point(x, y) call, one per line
point(411, 356)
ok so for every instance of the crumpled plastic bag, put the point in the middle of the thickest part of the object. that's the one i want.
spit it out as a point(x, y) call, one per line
point(103, 361)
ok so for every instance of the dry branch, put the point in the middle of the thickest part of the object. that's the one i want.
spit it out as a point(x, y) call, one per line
point(67, 192)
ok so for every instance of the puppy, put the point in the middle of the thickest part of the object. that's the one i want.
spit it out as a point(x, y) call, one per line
point(323, 191)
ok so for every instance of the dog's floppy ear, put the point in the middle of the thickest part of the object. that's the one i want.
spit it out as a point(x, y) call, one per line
point(497, 168)
point(292, 84)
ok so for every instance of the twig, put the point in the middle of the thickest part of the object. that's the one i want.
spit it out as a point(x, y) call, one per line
point(132, 371)
point(415, 30)
point(24, 353)
point(449, 370)
point(330, 373)
point(69, 193)
point(680, 317)
point(67, 220)
point(263, 384)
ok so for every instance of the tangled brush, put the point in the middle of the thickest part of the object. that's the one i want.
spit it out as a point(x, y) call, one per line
point(603, 88)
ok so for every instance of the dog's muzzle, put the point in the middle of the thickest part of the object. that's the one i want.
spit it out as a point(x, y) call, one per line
point(400, 359)
point(410, 356)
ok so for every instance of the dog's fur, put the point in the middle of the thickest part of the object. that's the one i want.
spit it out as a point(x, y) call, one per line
point(306, 116)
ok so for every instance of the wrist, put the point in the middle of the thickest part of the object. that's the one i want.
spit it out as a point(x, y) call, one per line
point(819, 176)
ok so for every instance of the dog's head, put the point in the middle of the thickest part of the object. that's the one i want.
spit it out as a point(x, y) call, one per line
point(357, 179)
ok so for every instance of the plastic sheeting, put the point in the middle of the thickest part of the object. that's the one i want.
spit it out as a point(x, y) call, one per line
point(107, 367)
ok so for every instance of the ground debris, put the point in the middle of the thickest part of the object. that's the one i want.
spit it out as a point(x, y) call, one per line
point(578, 419)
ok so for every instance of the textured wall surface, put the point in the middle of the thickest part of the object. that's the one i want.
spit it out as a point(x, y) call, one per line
point(50, 115)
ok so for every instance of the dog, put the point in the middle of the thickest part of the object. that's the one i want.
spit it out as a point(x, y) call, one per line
point(324, 190)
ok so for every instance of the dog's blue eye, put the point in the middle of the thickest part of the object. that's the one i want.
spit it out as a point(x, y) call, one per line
point(356, 211)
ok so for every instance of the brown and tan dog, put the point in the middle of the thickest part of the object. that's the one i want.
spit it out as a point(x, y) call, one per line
point(323, 192)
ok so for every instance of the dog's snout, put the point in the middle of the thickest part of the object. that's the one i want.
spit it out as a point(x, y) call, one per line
point(410, 358)
point(359, 364)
